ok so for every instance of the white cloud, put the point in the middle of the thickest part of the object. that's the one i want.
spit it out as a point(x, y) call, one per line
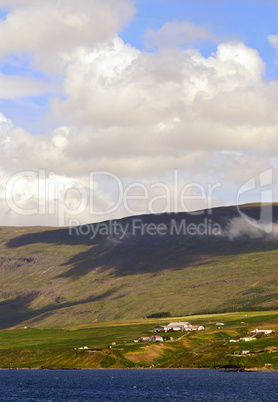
point(273, 40)
point(136, 114)
point(176, 33)
point(10, 4)
point(5, 125)
point(50, 32)
point(12, 86)
point(133, 112)
point(72, 154)
point(143, 103)
point(239, 227)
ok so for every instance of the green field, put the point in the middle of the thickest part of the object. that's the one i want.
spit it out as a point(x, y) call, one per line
point(58, 348)
point(49, 278)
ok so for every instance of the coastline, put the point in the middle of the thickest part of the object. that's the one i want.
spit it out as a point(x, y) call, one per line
point(220, 369)
point(53, 349)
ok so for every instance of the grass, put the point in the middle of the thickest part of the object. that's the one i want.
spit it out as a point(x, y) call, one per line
point(58, 348)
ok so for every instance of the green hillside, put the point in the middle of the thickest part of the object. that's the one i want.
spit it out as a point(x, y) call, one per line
point(54, 278)
point(109, 345)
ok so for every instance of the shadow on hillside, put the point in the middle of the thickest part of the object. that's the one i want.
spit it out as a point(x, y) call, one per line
point(13, 312)
point(146, 253)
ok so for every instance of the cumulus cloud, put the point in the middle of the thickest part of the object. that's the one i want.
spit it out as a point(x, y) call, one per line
point(50, 32)
point(5, 125)
point(145, 102)
point(53, 171)
point(273, 40)
point(176, 33)
point(133, 113)
point(12, 86)
point(10, 4)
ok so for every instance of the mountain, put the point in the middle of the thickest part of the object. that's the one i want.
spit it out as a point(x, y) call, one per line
point(215, 260)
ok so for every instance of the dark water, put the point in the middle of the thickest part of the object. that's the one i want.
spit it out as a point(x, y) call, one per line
point(137, 385)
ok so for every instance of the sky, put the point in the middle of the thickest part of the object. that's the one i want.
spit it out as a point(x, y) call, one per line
point(117, 108)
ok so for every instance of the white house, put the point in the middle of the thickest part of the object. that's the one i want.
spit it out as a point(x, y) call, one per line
point(180, 324)
point(197, 328)
point(144, 339)
point(156, 338)
point(261, 331)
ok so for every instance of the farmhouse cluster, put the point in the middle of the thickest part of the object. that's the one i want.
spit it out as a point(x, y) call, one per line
point(178, 326)
point(262, 332)
point(172, 327)
point(186, 327)
point(254, 332)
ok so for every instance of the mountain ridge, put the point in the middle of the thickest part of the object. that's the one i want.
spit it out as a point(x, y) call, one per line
point(49, 277)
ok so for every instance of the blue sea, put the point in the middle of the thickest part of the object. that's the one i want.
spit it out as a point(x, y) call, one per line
point(137, 385)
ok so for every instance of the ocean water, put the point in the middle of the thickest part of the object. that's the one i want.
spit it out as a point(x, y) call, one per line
point(137, 385)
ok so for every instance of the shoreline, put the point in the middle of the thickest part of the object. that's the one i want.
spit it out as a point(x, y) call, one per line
point(220, 369)
point(48, 349)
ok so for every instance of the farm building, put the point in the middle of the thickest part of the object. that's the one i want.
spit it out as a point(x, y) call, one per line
point(161, 328)
point(195, 328)
point(261, 331)
point(175, 325)
point(156, 338)
point(144, 339)
point(175, 329)
point(178, 326)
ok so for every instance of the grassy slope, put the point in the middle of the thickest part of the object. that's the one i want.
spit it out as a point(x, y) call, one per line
point(51, 279)
point(50, 348)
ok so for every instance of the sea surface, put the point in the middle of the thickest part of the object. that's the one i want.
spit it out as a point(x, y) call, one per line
point(137, 385)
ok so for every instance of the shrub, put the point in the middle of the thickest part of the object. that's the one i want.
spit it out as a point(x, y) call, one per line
point(160, 315)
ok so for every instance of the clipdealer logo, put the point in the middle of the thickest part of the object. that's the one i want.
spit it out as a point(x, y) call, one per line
point(51, 195)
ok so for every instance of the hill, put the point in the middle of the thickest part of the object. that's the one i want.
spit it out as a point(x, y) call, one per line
point(109, 345)
point(212, 261)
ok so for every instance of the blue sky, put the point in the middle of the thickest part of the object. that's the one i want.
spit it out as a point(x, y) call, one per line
point(140, 89)
point(249, 21)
